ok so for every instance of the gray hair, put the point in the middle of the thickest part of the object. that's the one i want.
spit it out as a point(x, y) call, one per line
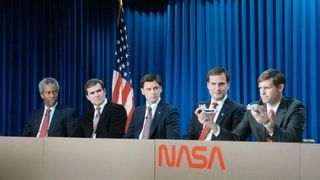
point(46, 81)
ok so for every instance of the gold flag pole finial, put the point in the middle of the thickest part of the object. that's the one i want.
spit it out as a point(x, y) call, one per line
point(118, 17)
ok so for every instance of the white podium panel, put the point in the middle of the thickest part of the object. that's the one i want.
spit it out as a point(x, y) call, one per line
point(226, 160)
point(310, 160)
point(21, 158)
point(83, 159)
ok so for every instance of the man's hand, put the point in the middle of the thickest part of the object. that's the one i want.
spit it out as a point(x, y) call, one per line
point(203, 118)
point(261, 117)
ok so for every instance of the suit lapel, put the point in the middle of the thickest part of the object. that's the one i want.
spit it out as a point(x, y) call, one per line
point(282, 109)
point(156, 118)
point(141, 116)
point(54, 121)
point(88, 123)
point(38, 121)
point(103, 117)
point(224, 110)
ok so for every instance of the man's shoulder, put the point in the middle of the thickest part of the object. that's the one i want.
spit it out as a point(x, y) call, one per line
point(34, 114)
point(64, 111)
point(113, 105)
point(162, 104)
point(233, 103)
point(207, 102)
point(114, 109)
point(36, 111)
point(291, 102)
point(65, 108)
point(167, 105)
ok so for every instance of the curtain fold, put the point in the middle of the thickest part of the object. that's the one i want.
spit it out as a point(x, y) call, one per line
point(245, 36)
point(71, 41)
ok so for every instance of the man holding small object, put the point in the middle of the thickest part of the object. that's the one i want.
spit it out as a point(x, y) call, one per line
point(274, 118)
point(221, 109)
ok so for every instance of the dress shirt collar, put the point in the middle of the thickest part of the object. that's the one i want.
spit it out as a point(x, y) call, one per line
point(154, 105)
point(51, 108)
point(102, 105)
point(220, 102)
point(275, 108)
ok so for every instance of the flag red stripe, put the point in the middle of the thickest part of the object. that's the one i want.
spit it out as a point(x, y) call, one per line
point(130, 115)
point(125, 92)
point(116, 91)
point(122, 92)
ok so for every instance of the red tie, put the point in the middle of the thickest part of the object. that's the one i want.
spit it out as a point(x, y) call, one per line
point(271, 117)
point(206, 129)
point(45, 124)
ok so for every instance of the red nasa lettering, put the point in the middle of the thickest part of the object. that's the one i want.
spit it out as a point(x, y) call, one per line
point(195, 159)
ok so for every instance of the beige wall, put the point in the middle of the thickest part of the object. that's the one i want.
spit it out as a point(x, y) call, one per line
point(21, 158)
point(77, 158)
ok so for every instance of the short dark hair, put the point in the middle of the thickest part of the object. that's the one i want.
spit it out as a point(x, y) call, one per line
point(149, 78)
point(93, 82)
point(218, 71)
point(277, 77)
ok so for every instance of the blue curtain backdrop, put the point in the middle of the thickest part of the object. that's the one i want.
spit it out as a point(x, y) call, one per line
point(180, 40)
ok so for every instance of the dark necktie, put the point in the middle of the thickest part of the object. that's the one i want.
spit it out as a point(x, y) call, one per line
point(206, 129)
point(45, 124)
point(96, 121)
point(147, 125)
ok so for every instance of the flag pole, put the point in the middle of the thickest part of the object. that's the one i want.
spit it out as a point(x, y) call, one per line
point(119, 9)
point(122, 90)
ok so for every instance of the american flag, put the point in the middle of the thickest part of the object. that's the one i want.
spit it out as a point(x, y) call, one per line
point(122, 92)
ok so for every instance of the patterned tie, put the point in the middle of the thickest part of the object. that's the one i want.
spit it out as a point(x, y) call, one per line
point(147, 125)
point(206, 129)
point(96, 121)
point(271, 117)
point(45, 124)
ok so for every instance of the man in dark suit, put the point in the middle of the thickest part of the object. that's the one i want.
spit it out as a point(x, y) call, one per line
point(228, 113)
point(156, 119)
point(106, 120)
point(53, 119)
point(276, 118)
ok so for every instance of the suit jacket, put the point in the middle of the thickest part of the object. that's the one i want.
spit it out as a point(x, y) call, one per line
point(165, 123)
point(111, 123)
point(63, 122)
point(289, 124)
point(229, 117)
